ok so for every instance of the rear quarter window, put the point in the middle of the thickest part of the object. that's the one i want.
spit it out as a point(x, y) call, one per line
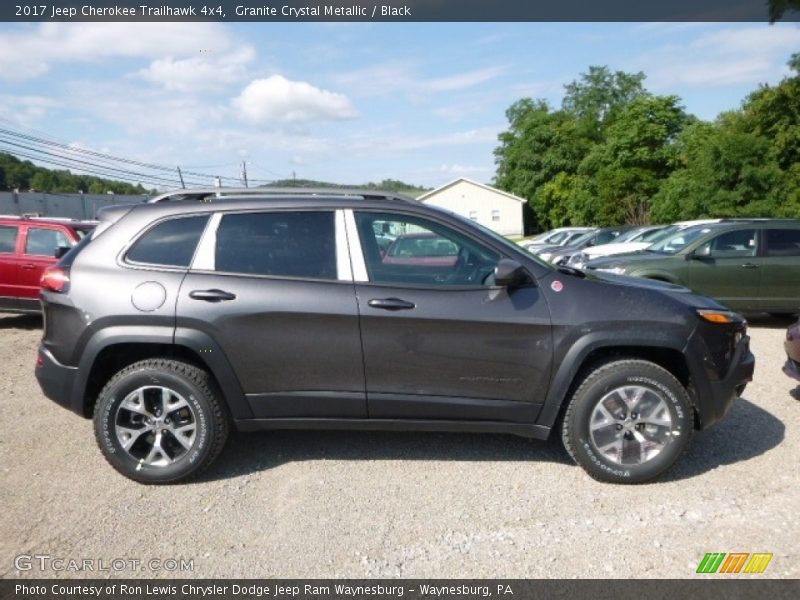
point(171, 243)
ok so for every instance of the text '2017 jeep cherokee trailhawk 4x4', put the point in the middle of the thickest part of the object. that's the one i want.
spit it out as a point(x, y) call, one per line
point(178, 319)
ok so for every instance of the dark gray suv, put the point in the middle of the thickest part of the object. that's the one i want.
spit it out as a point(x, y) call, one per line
point(181, 319)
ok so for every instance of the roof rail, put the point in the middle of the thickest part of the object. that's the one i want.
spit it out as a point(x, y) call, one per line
point(218, 193)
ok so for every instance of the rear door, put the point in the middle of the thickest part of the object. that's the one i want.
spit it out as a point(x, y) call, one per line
point(38, 252)
point(9, 266)
point(440, 341)
point(780, 279)
point(274, 289)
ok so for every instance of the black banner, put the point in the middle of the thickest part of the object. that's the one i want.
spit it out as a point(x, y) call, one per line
point(398, 10)
point(740, 587)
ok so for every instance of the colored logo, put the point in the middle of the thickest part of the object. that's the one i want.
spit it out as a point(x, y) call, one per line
point(556, 286)
point(735, 562)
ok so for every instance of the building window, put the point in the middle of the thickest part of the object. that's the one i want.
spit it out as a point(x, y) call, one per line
point(495, 215)
point(473, 215)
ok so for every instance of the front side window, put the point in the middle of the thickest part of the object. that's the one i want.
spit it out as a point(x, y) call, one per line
point(8, 238)
point(733, 244)
point(783, 242)
point(171, 243)
point(281, 244)
point(44, 242)
point(425, 253)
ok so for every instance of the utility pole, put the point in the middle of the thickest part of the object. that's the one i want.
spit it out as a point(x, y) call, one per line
point(183, 185)
point(294, 179)
point(244, 173)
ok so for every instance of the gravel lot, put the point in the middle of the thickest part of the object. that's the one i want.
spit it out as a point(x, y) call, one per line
point(342, 504)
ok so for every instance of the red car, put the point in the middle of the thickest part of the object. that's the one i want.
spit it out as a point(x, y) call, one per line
point(27, 247)
point(792, 346)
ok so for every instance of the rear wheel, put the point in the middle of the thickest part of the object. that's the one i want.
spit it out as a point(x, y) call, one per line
point(628, 422)
point(160, 421)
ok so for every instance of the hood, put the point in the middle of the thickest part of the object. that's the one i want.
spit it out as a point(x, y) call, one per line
point(678, 292)
point(626, 259)
point(620, 248)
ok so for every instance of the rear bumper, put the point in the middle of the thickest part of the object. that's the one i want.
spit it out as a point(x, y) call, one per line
point(715, 396)
point(56, 380)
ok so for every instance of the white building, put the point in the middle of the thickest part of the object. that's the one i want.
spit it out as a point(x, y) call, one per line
point(488, 206)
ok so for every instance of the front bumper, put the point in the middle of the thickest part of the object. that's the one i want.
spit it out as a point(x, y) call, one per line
point(714, 395)
point(56, 380)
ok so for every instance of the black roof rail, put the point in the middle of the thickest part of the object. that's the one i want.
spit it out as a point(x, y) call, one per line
point(221, 193)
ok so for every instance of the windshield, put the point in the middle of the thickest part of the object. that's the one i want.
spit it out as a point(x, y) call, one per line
point(582, 239)
point(631, 235)
point(678, 241)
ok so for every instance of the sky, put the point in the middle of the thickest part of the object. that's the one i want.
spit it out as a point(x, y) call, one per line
point(347, 102)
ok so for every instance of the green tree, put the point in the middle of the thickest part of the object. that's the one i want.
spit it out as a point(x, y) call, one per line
point(620, 176)
point(777, 8)
point(539, 145)
point(598, 96)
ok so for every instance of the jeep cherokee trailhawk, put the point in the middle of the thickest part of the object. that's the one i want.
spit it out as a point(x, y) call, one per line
point(199, 312)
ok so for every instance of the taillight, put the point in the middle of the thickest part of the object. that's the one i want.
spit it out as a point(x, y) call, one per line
point(55, 279)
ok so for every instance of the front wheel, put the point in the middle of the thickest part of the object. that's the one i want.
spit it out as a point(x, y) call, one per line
point(628, 422)
point(160, 421)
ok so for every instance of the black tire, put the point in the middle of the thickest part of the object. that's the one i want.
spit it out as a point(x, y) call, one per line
point(609, 382)
point(199, 419)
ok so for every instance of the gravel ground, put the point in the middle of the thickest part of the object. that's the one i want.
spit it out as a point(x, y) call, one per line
point(343, 504)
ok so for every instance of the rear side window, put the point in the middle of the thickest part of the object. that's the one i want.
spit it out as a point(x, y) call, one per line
point(170, 243)
point(281, 244)
point(43, 242)
point(8, 238)
point(783, 242)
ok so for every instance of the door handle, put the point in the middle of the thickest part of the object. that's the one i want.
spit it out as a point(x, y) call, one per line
point(391, 304)
point(29, 267)
point(211, 295)
point(749, 266)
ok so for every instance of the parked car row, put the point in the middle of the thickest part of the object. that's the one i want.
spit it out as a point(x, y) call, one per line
point(747, 264)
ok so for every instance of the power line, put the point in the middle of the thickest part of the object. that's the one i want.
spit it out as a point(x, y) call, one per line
point(90, 171)
point(109, 162)
point(101, 155)
point(88, 163)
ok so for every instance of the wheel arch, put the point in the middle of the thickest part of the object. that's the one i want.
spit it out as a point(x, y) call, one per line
point(592, 351)
point(113, 349)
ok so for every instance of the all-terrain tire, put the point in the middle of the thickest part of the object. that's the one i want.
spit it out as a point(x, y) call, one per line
point(191, 421)
point(617, 384)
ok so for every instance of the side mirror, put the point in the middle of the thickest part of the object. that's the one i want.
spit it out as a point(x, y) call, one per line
point(509, 273)
point(61, 251)
point(703, 251)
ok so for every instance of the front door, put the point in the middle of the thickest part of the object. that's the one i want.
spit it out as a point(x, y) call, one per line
point(440, 341)
point(728, 269)
point(274, 289)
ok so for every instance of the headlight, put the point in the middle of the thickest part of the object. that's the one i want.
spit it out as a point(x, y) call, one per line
point(722, 317)
point(545, 256)
point(614, 270)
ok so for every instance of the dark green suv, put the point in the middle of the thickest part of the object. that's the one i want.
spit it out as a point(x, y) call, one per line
point(748, 265)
